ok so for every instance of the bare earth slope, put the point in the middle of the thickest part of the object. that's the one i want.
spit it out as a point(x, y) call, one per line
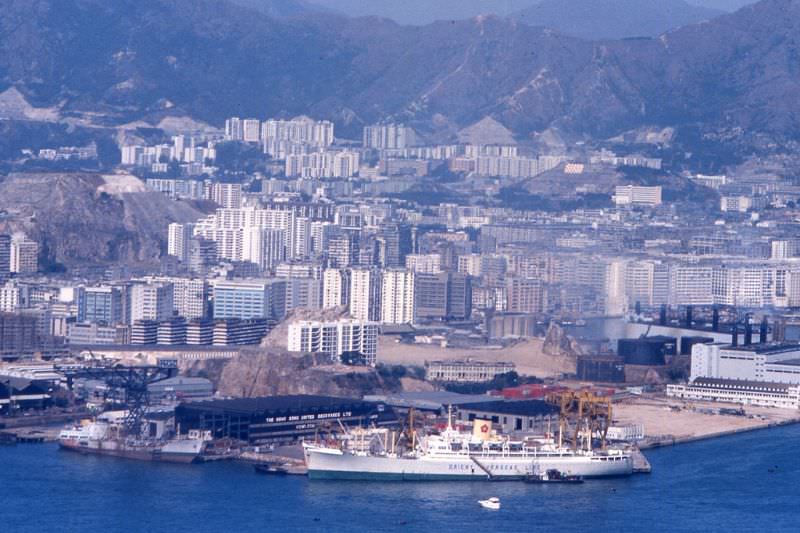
point(77, 223)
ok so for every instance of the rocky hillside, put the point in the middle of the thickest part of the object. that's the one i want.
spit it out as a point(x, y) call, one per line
point(734, 78)
point(263, 372)
point(558, 343)
point(90, 219)
point(270, 369)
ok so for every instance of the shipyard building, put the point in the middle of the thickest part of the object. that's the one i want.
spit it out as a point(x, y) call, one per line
point(280, 419)
point(529, 416)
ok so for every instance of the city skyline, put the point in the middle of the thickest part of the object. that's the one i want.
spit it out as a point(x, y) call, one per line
point(268, 267)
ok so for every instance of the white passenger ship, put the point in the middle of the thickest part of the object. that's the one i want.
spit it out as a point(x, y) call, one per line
point(455, 455)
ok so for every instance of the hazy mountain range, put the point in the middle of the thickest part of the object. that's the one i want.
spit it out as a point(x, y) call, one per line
point(615, 18)
point(735, 77)
point(611, 19)
point(401, 11)
point(286, 8)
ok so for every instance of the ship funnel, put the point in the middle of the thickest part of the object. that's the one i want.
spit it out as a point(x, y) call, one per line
point(481, 429)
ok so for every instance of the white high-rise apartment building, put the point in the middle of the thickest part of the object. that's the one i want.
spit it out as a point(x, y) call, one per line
point(744, 286)
point(646, 282)
point(24, 255)
point(245, 130)
point(189, 296)
point(227, 227)
point(691, 285)
point(234, 129)
point(320, 232)
point(178, 239)
point(344, 164)
point(264, 247)
point(365, 294)
point(397, 297)
point(251, 130)
point(301, 243)
point(335, 288)
point(151, 301)
point(389, 136)
point(227, 195)
point(12, 296)
point(616, 300)
point(784, 249)
point(179, 147)
point(131, 154)
point(300, 130)
point(335, 338)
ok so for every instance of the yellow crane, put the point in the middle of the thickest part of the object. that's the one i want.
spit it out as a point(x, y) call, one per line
point(583, 410)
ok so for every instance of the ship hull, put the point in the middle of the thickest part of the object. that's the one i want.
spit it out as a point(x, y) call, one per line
point(324, 465)
point(127, 452)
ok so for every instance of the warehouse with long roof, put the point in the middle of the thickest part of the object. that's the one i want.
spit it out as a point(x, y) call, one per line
point(280, 419)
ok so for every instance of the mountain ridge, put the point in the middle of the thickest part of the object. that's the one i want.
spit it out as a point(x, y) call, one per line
point(614, 19)
point(734, 76)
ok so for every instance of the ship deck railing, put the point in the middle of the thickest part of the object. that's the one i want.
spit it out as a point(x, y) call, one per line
point(522, 454)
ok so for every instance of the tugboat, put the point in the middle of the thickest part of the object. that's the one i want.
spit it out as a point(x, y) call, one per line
point(273, 469)
point(552, 475)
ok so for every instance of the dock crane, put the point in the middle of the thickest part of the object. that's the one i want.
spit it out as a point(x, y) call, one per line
point(585, 412)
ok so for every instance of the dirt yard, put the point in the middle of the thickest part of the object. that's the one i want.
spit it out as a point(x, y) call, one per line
point(668, 418)
point(526, 354)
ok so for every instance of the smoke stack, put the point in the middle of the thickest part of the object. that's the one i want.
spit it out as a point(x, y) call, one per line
point(715, 319)
point(762, 331)
point(689, 316)
point(748, 331)
point(735, 335)
point(662, 317)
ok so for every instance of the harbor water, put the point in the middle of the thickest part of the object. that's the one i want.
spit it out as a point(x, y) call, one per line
point(746, 482)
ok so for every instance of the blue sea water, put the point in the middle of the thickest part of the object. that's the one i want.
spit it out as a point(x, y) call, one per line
point(717, 485)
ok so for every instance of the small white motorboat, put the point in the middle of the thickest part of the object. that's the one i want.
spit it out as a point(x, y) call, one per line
point(491, 503)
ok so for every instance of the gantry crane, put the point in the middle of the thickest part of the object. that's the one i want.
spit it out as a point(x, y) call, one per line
point(585, 412)
point(129, 381)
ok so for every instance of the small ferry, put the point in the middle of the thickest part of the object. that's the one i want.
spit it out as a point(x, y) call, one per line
point(491, 503)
